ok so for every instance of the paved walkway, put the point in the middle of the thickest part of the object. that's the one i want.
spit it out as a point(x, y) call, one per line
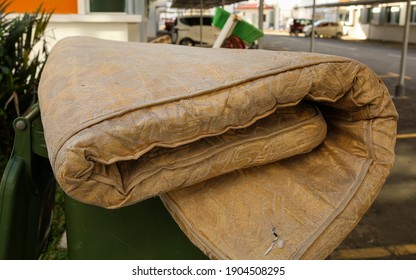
point(345, 37)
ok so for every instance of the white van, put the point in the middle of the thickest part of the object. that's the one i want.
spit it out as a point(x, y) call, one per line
point(186, 31)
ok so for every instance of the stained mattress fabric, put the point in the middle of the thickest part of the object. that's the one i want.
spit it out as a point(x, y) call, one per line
point(256, 154)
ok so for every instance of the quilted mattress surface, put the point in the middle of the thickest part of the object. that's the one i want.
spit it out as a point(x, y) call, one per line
point(256, 154)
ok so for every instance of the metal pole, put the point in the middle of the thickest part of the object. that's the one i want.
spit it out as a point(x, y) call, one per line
point(201, 22)
point(261, 15)
point(312, 47)
point(400, 88)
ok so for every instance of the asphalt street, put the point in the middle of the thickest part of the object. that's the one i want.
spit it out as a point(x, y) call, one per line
point(383, 57)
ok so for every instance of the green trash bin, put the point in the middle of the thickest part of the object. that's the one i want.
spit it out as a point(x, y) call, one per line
point(141, 231)
point(26, 192)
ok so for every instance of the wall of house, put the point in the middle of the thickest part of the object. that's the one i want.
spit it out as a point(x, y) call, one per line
point(58, 6)
point(378, 28)
point(251, 16)
point(360, 26)
point(390, 33)
point(110, 27)
point(72, 18)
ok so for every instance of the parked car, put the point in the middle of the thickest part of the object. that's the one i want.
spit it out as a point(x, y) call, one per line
point(325, 28)
point(296, 25)
point(186, 31)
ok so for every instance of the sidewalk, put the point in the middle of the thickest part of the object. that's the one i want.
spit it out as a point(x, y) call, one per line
point(345, 37)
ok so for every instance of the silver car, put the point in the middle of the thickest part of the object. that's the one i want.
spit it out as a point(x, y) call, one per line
point(325, 28)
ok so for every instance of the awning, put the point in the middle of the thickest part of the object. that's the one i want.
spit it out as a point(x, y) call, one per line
point(196, 4)
point(351, 3)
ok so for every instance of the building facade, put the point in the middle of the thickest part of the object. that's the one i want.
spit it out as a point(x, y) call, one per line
point(105, 19)
point(250, 13)
point(374, 20)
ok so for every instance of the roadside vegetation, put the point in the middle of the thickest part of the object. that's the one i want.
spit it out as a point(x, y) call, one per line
point(23, 53)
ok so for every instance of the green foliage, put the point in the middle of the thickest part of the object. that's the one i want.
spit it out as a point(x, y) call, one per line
point(23, 52)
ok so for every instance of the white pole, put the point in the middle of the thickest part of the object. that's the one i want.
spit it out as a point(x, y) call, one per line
point(312, 49)
point(261, 15)
point(201, 23)
point(400, 88)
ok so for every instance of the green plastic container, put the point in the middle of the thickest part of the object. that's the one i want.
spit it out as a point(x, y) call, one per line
point(26, 192)
point(141, 231)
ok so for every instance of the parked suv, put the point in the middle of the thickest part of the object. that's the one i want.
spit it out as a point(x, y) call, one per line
point(187, 31)
point(296, 25)
point(325, 28)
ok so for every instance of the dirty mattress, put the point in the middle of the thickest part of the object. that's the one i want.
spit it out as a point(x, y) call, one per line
point(256, 154)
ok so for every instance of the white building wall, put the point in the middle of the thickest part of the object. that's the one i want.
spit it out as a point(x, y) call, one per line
point(389, 33)
point(103, 26)
point(251, 16)
point(381, 31)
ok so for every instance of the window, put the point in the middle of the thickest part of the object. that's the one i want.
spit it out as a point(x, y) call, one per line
point(196, 20)
point(345, 16)
point(365, 15)
point(107, 6)
point(130, 7)
point(393, 15)
point(375, 17)
point(112, 6)
point(413, 14)
point(207, 21)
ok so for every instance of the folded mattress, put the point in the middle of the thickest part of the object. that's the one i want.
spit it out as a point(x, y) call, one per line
point(256, 154)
